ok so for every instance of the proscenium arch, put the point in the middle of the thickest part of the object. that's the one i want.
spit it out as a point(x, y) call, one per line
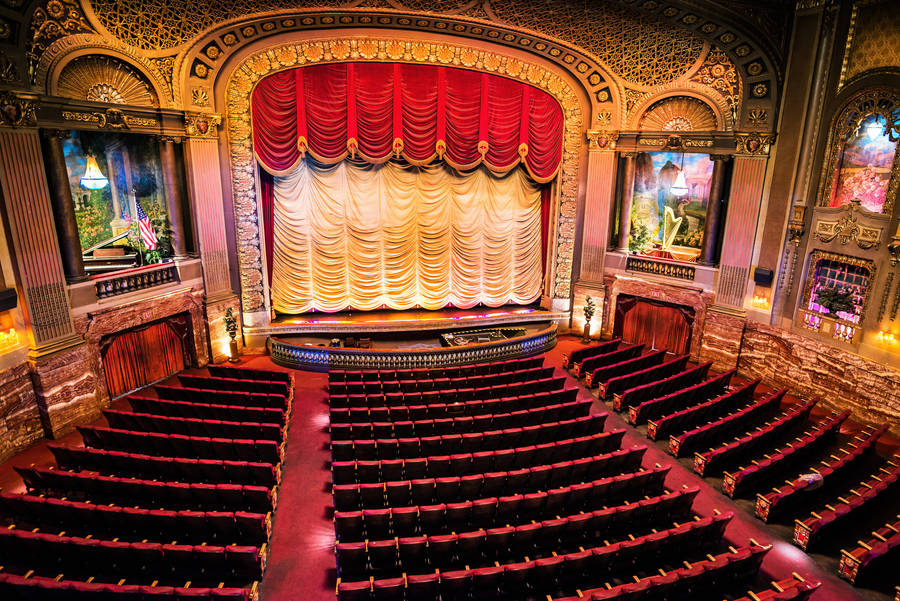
point(581, 68)
point(236, 86)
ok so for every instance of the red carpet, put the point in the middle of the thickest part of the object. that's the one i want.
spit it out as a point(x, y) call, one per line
point(301, 564)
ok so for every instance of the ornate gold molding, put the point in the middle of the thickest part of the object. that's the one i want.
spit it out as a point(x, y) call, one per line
point(885, 103)
point(601, 139)
point(753, 143)
point(797, 225)
point(847, 229)
point(16, 111)
point(109, 119)
point(202, 125)
point(295, 54)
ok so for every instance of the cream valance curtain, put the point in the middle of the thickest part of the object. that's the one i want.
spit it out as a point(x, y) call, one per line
point(362, 236)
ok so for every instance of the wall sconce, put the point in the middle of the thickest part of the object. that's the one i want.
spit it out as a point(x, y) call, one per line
point(886, 337)
point(761, 302)
point(9, 339)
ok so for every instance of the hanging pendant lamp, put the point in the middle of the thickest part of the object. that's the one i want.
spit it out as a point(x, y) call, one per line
point(93, 178)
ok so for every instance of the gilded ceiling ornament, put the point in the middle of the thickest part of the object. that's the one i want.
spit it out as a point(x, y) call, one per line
point(102, 78)
point(719, 73)
point(760, 90)
point(8, 71)
point(200, 97)
point(16, 111)
point(52, 20)
point(757, 116)
point(639, 47)
point(847, 229)
point(601, 140)
point(678, 113)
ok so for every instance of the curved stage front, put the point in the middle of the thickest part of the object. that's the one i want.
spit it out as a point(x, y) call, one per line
point(301, 352)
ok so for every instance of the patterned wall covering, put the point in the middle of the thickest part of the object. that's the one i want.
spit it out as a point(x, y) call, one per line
point(874, 39)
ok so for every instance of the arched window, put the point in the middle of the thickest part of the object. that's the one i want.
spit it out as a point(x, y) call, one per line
point(863, 153)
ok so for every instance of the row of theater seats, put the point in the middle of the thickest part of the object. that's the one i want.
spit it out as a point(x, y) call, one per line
point(461, 425)
point(173, 469)
point(222, 397)
point(430, 373)
point(456, 488)
point(175, 502)
point(470, 442)
point(728, 425)
point(715, 460)
point(549, 505)
point(773, 466)
point(499, 400)
point(830, 473)
point(589, 499)
point(427, 391)
point(875, 560)
point(235, 413)
point(537, 540)
point(462, 464)
point(871, 495)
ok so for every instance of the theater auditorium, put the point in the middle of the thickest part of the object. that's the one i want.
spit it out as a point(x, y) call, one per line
point(449, 300)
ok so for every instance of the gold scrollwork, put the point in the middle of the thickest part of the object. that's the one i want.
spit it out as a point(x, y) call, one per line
point(601, 140)
point(885, 104)
point(202, 125)
point(111, 118)
point(848, 229)
point(753, 143)
point(16, 111)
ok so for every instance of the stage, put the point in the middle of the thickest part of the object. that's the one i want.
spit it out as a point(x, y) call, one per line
point(408, 338)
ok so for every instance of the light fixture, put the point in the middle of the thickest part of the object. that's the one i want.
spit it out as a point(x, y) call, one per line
point(93, 178)
point(679, 188)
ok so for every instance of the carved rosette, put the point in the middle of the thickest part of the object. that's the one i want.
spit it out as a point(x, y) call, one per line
point(285, 56)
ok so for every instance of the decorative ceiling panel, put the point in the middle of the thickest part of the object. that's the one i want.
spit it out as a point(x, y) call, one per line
point(678, 113)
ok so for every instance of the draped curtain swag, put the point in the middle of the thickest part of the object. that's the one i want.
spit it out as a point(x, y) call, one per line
point(421, 113)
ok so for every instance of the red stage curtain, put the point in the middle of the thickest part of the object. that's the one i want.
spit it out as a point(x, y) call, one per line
point(419, 112)
point(137, 358)
point(656, 324)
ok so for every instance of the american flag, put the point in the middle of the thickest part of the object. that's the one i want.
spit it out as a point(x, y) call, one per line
point(148, 236)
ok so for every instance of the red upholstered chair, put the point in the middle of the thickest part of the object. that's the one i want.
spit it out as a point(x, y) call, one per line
point(431, 518)
point(388, 589)
point(486, 582)
point(405, 520)
point(422, 587)
point(383, 555)
point(455, 585)
point(413, 553)
point(441, 549)
point(351, 560)
point(377, 522)
point(354, 591)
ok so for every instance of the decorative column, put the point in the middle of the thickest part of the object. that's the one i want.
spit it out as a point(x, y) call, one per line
point(63, 208)
point(205, 190)
point(714, 209)
point(174, 197)
point(808, 142)
point(59, 361)
point(745, 197)
point(599, 196)
point(627, 202)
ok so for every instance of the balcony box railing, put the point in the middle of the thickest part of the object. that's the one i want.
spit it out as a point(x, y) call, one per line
point(664, 267)
point(134, 280)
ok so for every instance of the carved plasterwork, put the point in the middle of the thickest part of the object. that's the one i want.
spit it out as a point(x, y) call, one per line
point(678, 113)
point(601, 139)
point(847, 229)
point(277, 58)
point(718, 73)
point(108, 119)
point(885, 103)
point(16, 111)
point(753, 143)
point(51, 21)
point(101, 78)
point(202, 125)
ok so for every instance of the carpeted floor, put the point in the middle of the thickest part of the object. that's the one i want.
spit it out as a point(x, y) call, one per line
point(301, 563)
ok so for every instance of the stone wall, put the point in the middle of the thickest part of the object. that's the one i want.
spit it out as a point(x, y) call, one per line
point(67, 389)
point(723, 332)
point(20, 421)
point(842, 380)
